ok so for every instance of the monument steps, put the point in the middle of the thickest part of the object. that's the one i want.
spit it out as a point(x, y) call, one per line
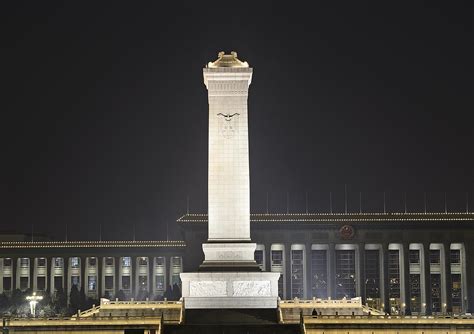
point(232, 329)
point(231, 321)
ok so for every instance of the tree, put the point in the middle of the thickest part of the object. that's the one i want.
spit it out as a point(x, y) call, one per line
point(60, 302)
point(176, 293)
point(74, 299)
point(4, 303)
point(169, 293)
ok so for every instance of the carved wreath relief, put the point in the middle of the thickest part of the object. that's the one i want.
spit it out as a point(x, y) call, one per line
point(228, 124)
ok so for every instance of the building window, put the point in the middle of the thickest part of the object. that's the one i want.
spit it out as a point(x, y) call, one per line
point(41, 262)
point(24, 262)
point(455, 256)
point(415, 293)
point(372, 278)
point(109, 283)
point(345, 274)
point(414, 256)
point(175, 270)
point(277, 257)
point(126, 261)
point(126, 282)
point(92, 261)
point(435, 280)
point(91, 283)
point(74, 262)
point(297, 273)
point(58, 262)
point(394, 273)
point(160, 283)
point(435, 256)
point(58, 283)
point(75, 280)
point(143, 283)
point(456, 294)
point(160, 261)
point(109, 261)
point(24, 283)
point(41, 283)
point(7, 262)
point(143, 261)
point(277, 265)
point(7, 284)
point(319, 277)
point(259, 258)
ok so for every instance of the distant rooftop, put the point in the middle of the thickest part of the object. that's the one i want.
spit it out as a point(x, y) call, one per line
point(341, 217)
point(225, 60)
point(92, 244)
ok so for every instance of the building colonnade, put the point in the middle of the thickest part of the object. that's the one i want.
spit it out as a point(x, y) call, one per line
point(135, 276)
point(414, 278)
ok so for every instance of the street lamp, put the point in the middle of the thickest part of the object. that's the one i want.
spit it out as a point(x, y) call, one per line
point(33, 299)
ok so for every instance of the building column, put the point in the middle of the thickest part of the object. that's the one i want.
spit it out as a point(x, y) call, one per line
point(84, 276)
point(406, 266)
point(449, 284)
point(427, 270)
point(386, 283)
point(134, 277)
point(332, 271)
point(151, 277)
point(268, 254)
point(32, 279)
point(362, 277)
point(308, 288)
point(49, 275)
point(66, 287)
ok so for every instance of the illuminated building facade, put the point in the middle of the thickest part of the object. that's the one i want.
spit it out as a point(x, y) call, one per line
point(397, 262)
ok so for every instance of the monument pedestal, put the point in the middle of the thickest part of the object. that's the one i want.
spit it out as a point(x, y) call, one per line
point(230, 290)
point(237, 256)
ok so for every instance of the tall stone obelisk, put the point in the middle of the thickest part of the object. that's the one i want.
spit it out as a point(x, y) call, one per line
point(229, 276)
point(227, 81)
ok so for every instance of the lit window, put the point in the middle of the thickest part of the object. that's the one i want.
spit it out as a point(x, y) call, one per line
point(160, 261)
point(160, 283)
point(435, 256)
point(455, 256)
point(92, 283)
point(126, 261)
point(24, 262)
point(414, 256)
point(143, 283)
point(74, 262)
point(58, 262)
point(143, 261)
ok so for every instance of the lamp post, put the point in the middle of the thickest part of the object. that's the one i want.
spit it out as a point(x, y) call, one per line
point(33, 299)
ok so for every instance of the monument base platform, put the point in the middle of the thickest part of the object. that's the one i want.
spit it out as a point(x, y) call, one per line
point(230, 290)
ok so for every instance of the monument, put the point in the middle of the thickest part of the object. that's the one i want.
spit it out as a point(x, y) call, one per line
point(229, 277)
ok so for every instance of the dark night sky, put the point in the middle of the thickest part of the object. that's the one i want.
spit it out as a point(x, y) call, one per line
point(104, 112)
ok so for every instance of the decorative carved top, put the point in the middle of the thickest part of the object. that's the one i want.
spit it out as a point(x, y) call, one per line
point(224, 60)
